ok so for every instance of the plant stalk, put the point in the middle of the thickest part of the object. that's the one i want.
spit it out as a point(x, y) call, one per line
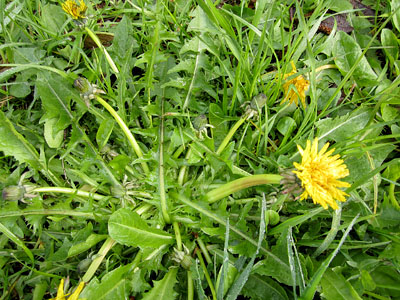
point(230, 134)
point(126, 131)
point(240, 184)
point(103, 49)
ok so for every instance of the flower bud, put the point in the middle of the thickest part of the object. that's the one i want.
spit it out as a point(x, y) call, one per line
point(13, 193)
point(271, 217)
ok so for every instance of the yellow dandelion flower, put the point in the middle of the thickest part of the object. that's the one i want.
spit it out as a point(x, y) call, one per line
point(299, 83)
point(74, 10)
point(74, 295)
point(319, 173)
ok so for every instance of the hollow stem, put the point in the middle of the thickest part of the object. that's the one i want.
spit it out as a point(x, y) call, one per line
point(126, 131)
point(177, 236)
point(69, 191)
point(240, 184)
point(190, 285)
point(182, 171)
point(103, 49)
point(161, 185)
point(204, 250)
point(229, 135)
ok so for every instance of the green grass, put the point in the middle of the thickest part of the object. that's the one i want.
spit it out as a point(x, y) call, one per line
point(130, 190)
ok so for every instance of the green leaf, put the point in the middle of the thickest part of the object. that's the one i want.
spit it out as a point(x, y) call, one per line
point(16, 240)
point(92, 240)
point(53, 17)
point(336, 287)
point(395, 5)
point(113, 286)
point(390, 44)
point(56, 95)
point(163, 289)
point(127, 228)
point(262, 287)
point(278, 269)
point(12, 143)
point(342, 127)
point(104, 132)
point(54, 138)
point(346, 51)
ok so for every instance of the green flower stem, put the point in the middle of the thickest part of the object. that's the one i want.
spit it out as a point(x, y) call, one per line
point(161, 185)
point(103, 49)
point(182, 171)
point(332, 232)
point(204, 250)
point(209, 281)
point(240, 184)
point(69, 191)
point(392, 196)
point(108, 244)
point(177, 236)
point(229, 135)
point(190, 285)
point(126, 131)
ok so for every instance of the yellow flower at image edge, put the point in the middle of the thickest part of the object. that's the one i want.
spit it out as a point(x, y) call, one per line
point(74, 295)
point(320, 173)
point(74, 10)
point(297, 83)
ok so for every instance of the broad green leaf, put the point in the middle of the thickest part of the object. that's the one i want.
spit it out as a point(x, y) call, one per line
point(53, 17)
point(92, 240)
point(56, 95)
point(336, 287)
point(54, 138)
point(279, 270)
point(342, 127)
point(104, 132)
point(390, 44)
point(395, 8)
point(286, 125)
point(12, 143)
point(113, 286)
point(163, 289)
point(263, 287)
point(128, 228)
point(16, 240)
point(124, 42)
point(346, 51)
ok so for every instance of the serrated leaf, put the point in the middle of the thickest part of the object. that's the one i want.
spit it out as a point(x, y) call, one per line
point(56, 95)
point(336, 287)
point(163, 289)
point(262, 287)
point(342, 127)
point(112, 286)
point(277, 269)
point(347, 51)
point(12, 143)
point(128, 228)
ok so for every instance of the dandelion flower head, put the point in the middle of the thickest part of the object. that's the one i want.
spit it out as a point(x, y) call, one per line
point(299, 83)
point(76, 11)
point(319, 173)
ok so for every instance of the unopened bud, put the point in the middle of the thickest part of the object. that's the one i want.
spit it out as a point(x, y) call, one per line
point(13, 193)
